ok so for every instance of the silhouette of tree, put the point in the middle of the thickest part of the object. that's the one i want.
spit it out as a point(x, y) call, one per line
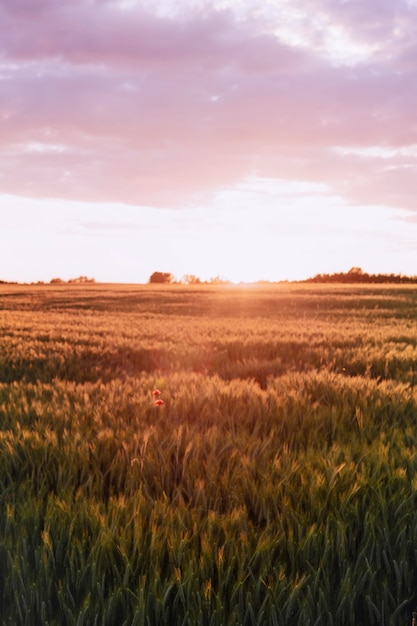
point(190, 279)
point(82, 279)
point(219, 280)
point(161, 278)
point(357, 275)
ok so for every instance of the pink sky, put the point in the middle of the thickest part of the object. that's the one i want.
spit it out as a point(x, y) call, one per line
point(225, 123)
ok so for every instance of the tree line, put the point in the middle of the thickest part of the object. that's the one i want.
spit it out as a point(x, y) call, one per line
point(166, 278)
point(357, 275)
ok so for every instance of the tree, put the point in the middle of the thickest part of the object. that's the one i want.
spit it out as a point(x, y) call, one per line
point(161, 278)
point(82, 279)
point(219, 280)
point(190, 279)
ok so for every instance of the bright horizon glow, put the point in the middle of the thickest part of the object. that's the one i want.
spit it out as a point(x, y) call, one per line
point(216, 139)
point(130, 244)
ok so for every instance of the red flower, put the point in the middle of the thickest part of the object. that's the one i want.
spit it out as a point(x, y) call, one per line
point(156, 392)
point(159, 402)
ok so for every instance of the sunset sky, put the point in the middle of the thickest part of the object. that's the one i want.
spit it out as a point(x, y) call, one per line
point(253, 140)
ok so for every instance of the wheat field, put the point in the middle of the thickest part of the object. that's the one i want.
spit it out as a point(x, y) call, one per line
point(216, 456)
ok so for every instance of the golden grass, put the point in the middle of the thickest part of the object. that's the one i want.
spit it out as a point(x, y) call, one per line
point(275, 485)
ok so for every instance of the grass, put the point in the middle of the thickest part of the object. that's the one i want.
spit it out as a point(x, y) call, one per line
point(275, 485)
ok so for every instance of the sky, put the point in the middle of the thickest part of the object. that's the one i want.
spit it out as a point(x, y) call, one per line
point(250, 140)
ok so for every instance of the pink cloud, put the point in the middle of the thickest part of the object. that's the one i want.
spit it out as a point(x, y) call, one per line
point(102, 104)
point(390, 25)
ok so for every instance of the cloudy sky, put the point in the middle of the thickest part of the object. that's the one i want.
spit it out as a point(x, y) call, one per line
point(247, 139)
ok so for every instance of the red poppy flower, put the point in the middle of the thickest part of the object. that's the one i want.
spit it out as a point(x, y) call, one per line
point(156, 392)
point(159, 402)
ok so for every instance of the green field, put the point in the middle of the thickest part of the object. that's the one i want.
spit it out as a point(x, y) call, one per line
point(277, 484)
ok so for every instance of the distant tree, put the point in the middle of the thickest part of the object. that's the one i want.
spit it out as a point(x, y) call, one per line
point(219, 280)
point(56, 281)
point(161, 278)
point(82, 279)
point(190, 279)
point(357, 275)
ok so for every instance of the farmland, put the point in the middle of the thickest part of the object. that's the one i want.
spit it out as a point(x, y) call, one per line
point(275, 484)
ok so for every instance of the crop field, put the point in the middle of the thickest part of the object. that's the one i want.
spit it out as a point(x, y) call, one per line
point(215, 456)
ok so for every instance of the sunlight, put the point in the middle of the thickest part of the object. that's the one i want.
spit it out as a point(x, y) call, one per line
point(261, 230)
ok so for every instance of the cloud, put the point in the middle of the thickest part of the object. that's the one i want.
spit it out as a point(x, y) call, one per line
point(102, 102)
